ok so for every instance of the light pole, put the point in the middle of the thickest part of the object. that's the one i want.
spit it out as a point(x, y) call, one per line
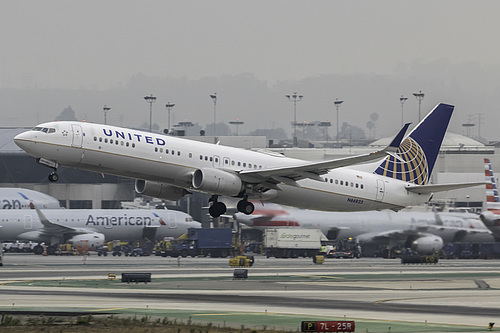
point(237, 122)
point(294, 98)
point(150, 99)
point(325, 125)
point(337, 105)
point(420, 96)
point(169, 107)
point(402, 100)
point(214, 97)
point(105, 109)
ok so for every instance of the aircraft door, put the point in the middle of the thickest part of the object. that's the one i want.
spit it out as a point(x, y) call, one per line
point(380, 190)
point(172, 223)
point(77, 136)
point(28, 222)
point(216, 161)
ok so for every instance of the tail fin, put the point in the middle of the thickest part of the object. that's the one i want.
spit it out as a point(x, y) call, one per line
point(492, 199)
point(419, 150)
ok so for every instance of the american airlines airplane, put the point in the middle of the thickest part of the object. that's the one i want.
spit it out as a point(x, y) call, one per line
point(92, 226)
point(170, 167)
point(424, 232)
point(21, 198)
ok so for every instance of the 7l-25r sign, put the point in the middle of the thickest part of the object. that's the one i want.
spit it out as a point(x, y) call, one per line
point(328, 326)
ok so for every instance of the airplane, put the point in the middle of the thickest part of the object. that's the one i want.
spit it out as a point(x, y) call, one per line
point(21, 198)
point(92, 227)
point(169, 167)
point(491, 217)
point(424, 232)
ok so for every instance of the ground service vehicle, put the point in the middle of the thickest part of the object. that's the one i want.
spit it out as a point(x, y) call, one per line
point(293, 242)
point(214, 242)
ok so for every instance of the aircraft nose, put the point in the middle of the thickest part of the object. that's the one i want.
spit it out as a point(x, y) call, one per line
point(23, 140)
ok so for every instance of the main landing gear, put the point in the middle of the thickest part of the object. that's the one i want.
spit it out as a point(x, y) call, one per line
point(218, 208)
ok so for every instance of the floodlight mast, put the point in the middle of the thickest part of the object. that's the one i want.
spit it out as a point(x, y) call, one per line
point(105, 109)
point(337, 105)
point(402, 99)
point(214, 98)
point(294, 98)
point(420, 96)
point(150, 99)
point(169, 107)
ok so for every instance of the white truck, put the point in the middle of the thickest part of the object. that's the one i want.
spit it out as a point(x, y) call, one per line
point(293, 242)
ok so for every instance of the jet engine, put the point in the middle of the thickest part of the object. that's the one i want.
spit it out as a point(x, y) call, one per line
point(91, 241)
point(159, 190)
point(428, 244)
point(217, 181)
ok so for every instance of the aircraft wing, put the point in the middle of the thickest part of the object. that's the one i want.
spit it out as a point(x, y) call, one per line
point(399, 234)
point(51, 228)
point(432, 188)
point(290, 174)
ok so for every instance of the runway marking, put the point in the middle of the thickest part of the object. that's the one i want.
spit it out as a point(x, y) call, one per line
point(107, 309)
point(324, 276)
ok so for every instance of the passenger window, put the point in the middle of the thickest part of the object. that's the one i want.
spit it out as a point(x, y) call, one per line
point(357, 185)
point(206, 158)
point(211, 158)
point(156, 149)
point(100, 139)
point(178, 153)
point(362, 186)
point(201, 157)
point(190, 155)
point(111, 141)
point(244, 165)
point(95, 138)
point(127, 144)
point(166, 151)
point(133, 145)
point(341, 182)
point(105, 140)
point(331, 181)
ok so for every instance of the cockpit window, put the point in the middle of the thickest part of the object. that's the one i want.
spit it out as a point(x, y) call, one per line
point(44, 129)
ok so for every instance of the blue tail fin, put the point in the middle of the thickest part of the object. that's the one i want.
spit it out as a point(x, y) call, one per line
point(420, 149)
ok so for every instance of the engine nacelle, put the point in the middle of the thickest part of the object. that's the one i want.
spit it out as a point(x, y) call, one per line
point(427, 244)
point(159, 190)
point(90, 241)
point(217, 181)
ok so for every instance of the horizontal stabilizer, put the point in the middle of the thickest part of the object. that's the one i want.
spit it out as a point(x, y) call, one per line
point(432, 188)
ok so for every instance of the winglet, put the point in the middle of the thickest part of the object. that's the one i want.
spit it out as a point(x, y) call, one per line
point(399, 137)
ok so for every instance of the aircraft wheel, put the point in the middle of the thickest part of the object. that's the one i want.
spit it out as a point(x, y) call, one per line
point(245, 207)
point(217, 209)
point(38, 249)
point(53, 177)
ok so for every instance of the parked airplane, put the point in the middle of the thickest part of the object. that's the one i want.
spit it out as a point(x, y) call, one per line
point(424, 232)
point(92, 226)
point(20, 198)
point(491, 217)
point(168, 167)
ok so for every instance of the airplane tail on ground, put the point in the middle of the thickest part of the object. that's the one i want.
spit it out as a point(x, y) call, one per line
point(492, 199)
point(417, 154)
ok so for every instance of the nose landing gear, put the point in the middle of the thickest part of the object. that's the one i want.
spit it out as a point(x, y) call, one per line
point(53, 177)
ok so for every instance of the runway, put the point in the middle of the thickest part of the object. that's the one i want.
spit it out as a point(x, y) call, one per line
point(453, 295)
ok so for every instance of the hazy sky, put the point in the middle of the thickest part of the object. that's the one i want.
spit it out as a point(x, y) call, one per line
point(101, 45)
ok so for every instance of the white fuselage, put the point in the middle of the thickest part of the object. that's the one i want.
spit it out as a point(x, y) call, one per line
point(114, 224)
point(451, 227)
point(21, 198)
point(165, 159)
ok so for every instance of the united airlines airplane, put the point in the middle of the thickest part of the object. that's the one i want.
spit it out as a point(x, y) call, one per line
point(170, 167)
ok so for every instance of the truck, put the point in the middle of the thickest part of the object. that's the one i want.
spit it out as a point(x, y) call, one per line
point(214, 242)
point(293, 242)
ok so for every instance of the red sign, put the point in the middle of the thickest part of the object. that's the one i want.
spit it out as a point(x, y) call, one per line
point(328, 326)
